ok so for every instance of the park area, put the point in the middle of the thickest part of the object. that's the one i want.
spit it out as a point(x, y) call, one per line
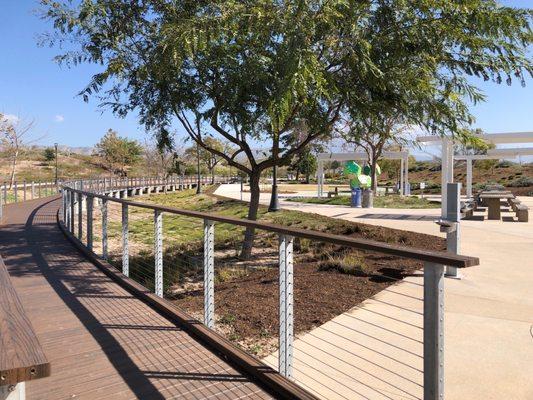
point(329, 279)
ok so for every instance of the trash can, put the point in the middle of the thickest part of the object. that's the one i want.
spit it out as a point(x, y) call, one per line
point(368, 198)
point(356, 197)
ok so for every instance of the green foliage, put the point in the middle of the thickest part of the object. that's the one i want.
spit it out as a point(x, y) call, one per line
point(118, 152)
point(305, 163)
point(49, 154)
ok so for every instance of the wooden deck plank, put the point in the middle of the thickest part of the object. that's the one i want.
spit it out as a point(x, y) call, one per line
point(101, 340)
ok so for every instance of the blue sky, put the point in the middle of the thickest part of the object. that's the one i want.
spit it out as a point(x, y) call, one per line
point(33, 86)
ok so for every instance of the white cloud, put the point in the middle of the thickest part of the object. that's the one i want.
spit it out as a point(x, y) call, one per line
point(59, 118)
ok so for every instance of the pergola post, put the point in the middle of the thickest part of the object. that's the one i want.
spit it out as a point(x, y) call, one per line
point(469, 178)
point(446, 172)
point(402, 187)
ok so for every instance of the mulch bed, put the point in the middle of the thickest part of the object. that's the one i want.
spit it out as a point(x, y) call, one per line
point(247, 308)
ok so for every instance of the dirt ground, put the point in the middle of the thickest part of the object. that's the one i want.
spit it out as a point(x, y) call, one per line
point(247, 307)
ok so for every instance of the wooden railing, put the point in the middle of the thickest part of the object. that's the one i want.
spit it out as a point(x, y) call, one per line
point(76, 201)
point(21, 356)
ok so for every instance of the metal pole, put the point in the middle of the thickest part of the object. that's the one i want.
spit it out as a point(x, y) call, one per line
point(453, 214)
point(433, 331)
point(320, 179)
point(90, 205)
point(286, 327)
point(32, 190)
point(24, 187)
point(80, 216)
point(104, 229)
point(274, 201)
point(158, 252)
point(209, 273)
point(198, 188)
point(125, 245)
point(55, 145)
point(72, 212)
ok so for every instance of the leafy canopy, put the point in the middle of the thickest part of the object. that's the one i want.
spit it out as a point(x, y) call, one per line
point(256, 70)
point(118, 152)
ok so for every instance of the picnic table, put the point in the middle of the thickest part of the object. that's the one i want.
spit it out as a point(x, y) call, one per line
point(492, 199)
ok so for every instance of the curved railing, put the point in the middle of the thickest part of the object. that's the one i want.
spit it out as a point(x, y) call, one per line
point(77, 214)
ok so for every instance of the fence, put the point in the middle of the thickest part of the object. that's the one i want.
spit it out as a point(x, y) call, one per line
point(30, 190)
point(99, 215)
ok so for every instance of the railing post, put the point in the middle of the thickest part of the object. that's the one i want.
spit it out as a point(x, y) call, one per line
point(80, 216)
point(39, 188)
point(24, 188)
point(453, 214)
point(32, 190)
point(72, 212)
point(15, 191)
point(209, 273)
point(286, 316)
point(125, 244)
point(433, 331)
point(90, 205)
point(104, 229)
point(5, 193)
point(158, 252)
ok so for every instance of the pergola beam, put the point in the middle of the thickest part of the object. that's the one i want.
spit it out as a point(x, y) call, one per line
point(505, 137)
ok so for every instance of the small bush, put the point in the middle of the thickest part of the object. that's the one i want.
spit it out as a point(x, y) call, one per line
point(523, 181)
point(349, 263)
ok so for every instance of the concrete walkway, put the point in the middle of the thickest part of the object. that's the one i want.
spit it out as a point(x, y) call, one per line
point(375, 350)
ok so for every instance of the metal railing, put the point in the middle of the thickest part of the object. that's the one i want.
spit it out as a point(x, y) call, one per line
point(78, 212)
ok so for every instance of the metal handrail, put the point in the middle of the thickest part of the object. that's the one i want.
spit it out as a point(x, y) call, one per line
point(434, 264)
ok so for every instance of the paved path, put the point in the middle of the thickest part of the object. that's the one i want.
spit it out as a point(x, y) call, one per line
point(102, 342)
point(374, 350)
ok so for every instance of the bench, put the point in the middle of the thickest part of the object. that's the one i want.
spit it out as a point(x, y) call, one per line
point(21, 357)
point(514, 203)
point(522, 213)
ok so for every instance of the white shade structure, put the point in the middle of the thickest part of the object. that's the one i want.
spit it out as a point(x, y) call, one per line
point(494, 138)
point(403, 156)
point(494, 154)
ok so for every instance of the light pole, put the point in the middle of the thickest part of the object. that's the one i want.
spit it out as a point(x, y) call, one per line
point(55, 145)
point(274, 202)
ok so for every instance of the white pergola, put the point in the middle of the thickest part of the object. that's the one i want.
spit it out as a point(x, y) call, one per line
point(495, 154)
point(494, 138)
point(403, 156)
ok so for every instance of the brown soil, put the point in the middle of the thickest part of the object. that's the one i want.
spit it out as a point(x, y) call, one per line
point(247, 307)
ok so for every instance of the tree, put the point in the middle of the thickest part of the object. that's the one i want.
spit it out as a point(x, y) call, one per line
point(373, 133)
point(422, 53)
point(14, 136)
point(305, 163)
point(255, 71)
point(208, 158)
point(118, 152)
point(49, 154)
point(245, 71)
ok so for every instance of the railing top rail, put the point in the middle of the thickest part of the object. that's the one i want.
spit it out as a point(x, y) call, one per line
point(22, 358)
point(454, 260)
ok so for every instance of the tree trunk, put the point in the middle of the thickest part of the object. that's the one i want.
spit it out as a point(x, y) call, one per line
point(13, 169)
point(297, 175)
point(307, 178)
point(246, 251)
point(373, 173)
point(213, 176)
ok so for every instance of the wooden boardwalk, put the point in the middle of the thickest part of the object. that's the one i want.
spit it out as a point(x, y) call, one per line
point(101, 341)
